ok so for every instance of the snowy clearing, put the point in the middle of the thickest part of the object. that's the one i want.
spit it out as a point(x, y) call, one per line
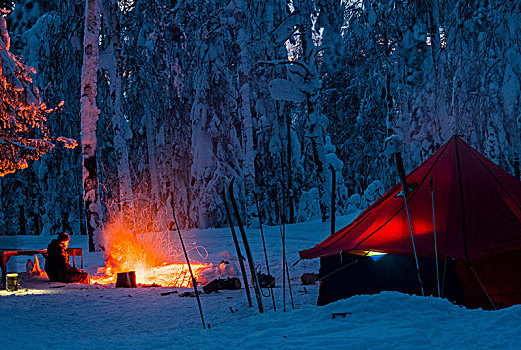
point(58, 316)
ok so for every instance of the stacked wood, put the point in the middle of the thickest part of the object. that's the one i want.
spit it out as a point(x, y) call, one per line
point(309, 278)
point(231, 283)
point(126, 280)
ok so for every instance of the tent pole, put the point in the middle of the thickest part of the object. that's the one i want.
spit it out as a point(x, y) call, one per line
point(443, 279)
point(401, 171)
point(434, 231)
point(482, 286)
point(333, 199)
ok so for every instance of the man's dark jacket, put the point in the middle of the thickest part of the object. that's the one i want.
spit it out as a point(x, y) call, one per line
point(57, 263)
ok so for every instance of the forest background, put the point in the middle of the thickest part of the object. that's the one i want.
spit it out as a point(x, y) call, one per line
point(276, 94)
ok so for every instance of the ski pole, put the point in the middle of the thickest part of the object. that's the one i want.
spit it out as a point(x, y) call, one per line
point(285, 263)
point(282, 214)
point(264, 246)
point(194, 282)
point(285, 270)
point(399, 164)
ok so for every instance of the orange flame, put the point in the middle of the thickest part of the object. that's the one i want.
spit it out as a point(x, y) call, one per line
point(149, 254)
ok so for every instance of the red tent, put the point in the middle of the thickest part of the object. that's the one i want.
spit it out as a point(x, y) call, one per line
point(478, 222)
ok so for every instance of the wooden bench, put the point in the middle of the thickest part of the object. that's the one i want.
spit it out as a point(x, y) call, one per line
point(5, 254)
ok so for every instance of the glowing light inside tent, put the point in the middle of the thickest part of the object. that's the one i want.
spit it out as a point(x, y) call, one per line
point(375, 255)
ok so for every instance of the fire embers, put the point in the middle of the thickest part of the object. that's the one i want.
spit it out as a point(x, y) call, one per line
point(130, 246)
point(166, 275)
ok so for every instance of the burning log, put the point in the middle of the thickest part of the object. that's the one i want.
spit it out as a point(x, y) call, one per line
point(126, 280)
point(231, 283)
point(309, 278)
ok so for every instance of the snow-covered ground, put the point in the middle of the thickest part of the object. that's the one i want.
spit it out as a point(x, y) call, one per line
point(46, 315)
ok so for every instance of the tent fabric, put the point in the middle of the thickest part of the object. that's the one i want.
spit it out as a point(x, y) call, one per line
point(500, 276)
point(478, 228)
point(476, 203)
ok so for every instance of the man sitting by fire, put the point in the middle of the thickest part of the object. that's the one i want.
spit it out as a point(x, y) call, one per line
point(57, 265)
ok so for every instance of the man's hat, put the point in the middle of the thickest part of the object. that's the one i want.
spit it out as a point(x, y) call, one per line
point(63, 237)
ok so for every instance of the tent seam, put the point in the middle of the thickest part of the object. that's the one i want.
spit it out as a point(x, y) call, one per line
point(412, 194)
point(463, 219)
point(496, 180)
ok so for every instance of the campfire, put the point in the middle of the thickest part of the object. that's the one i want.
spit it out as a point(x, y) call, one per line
point(155, 260)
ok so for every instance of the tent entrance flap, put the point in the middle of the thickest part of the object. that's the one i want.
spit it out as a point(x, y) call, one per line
point(391, 272)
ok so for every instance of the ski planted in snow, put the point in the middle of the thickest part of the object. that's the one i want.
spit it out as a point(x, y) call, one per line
point(237, 248)
point(254, 276)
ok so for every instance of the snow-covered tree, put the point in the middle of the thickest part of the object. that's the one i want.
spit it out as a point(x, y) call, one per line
point(276, 94)
point(23, 133)
point(38, 192)
point(115, 64)
point(241, 11)
point(216, 145)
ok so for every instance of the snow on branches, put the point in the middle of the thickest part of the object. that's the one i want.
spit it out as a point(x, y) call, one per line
point(23, 134)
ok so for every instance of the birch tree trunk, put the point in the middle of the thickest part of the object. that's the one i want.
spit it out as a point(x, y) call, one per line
point(116, 73)
point(245, 112)
point(89, 118)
